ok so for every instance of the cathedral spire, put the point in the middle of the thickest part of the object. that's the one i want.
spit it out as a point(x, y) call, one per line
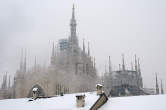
point(25, 62)
point(73, 24)
point(136, 63)
point(4, 83)
point(9, 82)
point(73, 12)
point(139, 68)
point(157, 86)
point(105, 68)
point(162, 90)
point(53, 50)
point(88, 49)
point(83, 46)
point(21, 60)
point(139, 73)
point(109, 62)
point(53, 56)
point(94, 63)
point(35, 64)
point(123, 63)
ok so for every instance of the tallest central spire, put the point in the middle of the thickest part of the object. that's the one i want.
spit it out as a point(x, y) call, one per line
point(73, 12)
point(73, 24)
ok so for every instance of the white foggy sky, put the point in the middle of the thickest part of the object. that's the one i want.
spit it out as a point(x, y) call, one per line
point(113, 27)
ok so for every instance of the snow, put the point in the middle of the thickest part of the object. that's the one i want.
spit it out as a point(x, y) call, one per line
point(99, 85)
point(35, 89)
point(66, 102)
point(150, 102)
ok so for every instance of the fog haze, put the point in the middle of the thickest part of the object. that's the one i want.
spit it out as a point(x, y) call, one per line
point(112, 27)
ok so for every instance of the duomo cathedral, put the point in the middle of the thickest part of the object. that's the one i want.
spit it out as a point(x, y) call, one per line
point(72, 69)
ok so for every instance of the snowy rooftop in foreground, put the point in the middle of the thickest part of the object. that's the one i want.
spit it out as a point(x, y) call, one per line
point(149, 102)
point(66, 102)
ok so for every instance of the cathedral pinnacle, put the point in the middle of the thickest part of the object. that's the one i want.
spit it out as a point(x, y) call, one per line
point(35, 64)
point(25, 62)
point(94, 63)
point(21, 60)
point(139, 68)
point(73, 12)
point(73, 24)
point(162, 91)
point(9, 81)
point(110, 69)
point(123, 63)
point(73, 21)
point(157, 86)
point(105, 68)
point(83, 46)
point(135, 62)
point(88, 49)
point(53, 50)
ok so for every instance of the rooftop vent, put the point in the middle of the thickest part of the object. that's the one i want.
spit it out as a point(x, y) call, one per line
point(99, 88)
point(80, 100)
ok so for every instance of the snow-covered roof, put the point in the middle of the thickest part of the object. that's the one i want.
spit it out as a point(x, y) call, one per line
point(35, 89)
point(151, 102)
point(99, 85)
point(80, 95)
point(66, 102)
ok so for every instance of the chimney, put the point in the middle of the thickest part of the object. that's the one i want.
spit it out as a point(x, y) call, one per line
point(35, 93)
point(80, 100)
point(99, 88)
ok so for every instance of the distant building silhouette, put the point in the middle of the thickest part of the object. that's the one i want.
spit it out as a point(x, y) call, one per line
point(117, 82)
